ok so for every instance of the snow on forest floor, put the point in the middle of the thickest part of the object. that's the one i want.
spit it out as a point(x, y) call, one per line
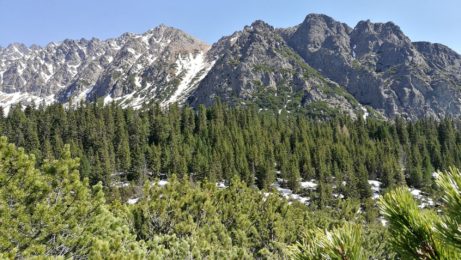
point(423, 198)
point(132, 201)
point(288, 194)
point(161, 183)
point(306, 186)
point(135, 200)
point(375, 188)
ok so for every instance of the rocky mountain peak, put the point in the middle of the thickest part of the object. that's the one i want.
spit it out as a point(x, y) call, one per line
point(379, 65)
point(323, 21)
point(381, 32)
point(319, 30)
point(162, 31)
point(257, 63)
point(319, 60)
point(155, 62)
point(438, 54)
point(261, 25)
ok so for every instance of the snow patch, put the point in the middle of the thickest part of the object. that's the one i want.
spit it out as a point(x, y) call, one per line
point(383, 221)
point(234, 38)
point(82, 96)
point(132, 201)
point(375, 185)
point(121, 184)
point(308, 185)
point(376, 188)
point(365, 113)
point(416, 193)
point(108, 99)
point(162, 183)
point(289, 195)
point(221, 185)
point(134, 53)
point(336, 195)
point(9, 99)
point(145, 39)
point(196, 68)
point(20, 68)
point(45, 76)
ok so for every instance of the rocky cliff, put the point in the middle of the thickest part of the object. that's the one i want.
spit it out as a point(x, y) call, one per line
point(320, 63)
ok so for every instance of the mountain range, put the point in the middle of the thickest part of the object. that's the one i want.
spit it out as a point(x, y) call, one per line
point(320, 64)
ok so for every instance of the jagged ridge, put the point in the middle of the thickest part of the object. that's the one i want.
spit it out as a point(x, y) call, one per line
point(162, 65)
point(377, 65)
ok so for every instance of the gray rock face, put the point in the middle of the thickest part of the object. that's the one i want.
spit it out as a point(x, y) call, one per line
point(256, 63)
point(318, 61)
point(381, 67)
point(133, 69)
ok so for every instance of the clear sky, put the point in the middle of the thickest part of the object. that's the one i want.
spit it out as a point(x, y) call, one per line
point(43, 21)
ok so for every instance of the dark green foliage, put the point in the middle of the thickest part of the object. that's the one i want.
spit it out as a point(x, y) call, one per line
point(424, 234)
point(340, 243)
point(50, 212)
point(449, 228)
point(191, 217)
point(235, 219)
point(218, 143)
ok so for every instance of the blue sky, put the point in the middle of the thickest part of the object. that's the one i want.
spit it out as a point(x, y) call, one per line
point(43, 21)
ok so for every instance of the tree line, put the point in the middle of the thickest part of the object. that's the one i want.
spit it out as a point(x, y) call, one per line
point(220, 142)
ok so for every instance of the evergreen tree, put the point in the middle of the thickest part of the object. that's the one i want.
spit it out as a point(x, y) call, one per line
point(412, 230)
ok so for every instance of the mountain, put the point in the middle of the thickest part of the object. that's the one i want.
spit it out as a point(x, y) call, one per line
point(160, 65)
point(382, 67)
point(257, 65)
point(318, 64)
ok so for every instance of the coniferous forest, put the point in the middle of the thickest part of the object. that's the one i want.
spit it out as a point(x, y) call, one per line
point(220, 142)
point(294, 137)
point(66, 176)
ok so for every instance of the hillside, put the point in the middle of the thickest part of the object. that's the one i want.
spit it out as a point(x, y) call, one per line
point(371, 68)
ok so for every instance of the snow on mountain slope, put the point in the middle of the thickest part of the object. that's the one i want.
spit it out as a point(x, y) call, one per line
point(162, 65)
point(320, 60)
point(9, 99)
point(195, 68)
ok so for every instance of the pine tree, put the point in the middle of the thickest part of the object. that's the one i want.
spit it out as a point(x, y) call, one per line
point(293, 175)
point(51, 211)
point(362, 182)
point(340, 243)
point(412, 229)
